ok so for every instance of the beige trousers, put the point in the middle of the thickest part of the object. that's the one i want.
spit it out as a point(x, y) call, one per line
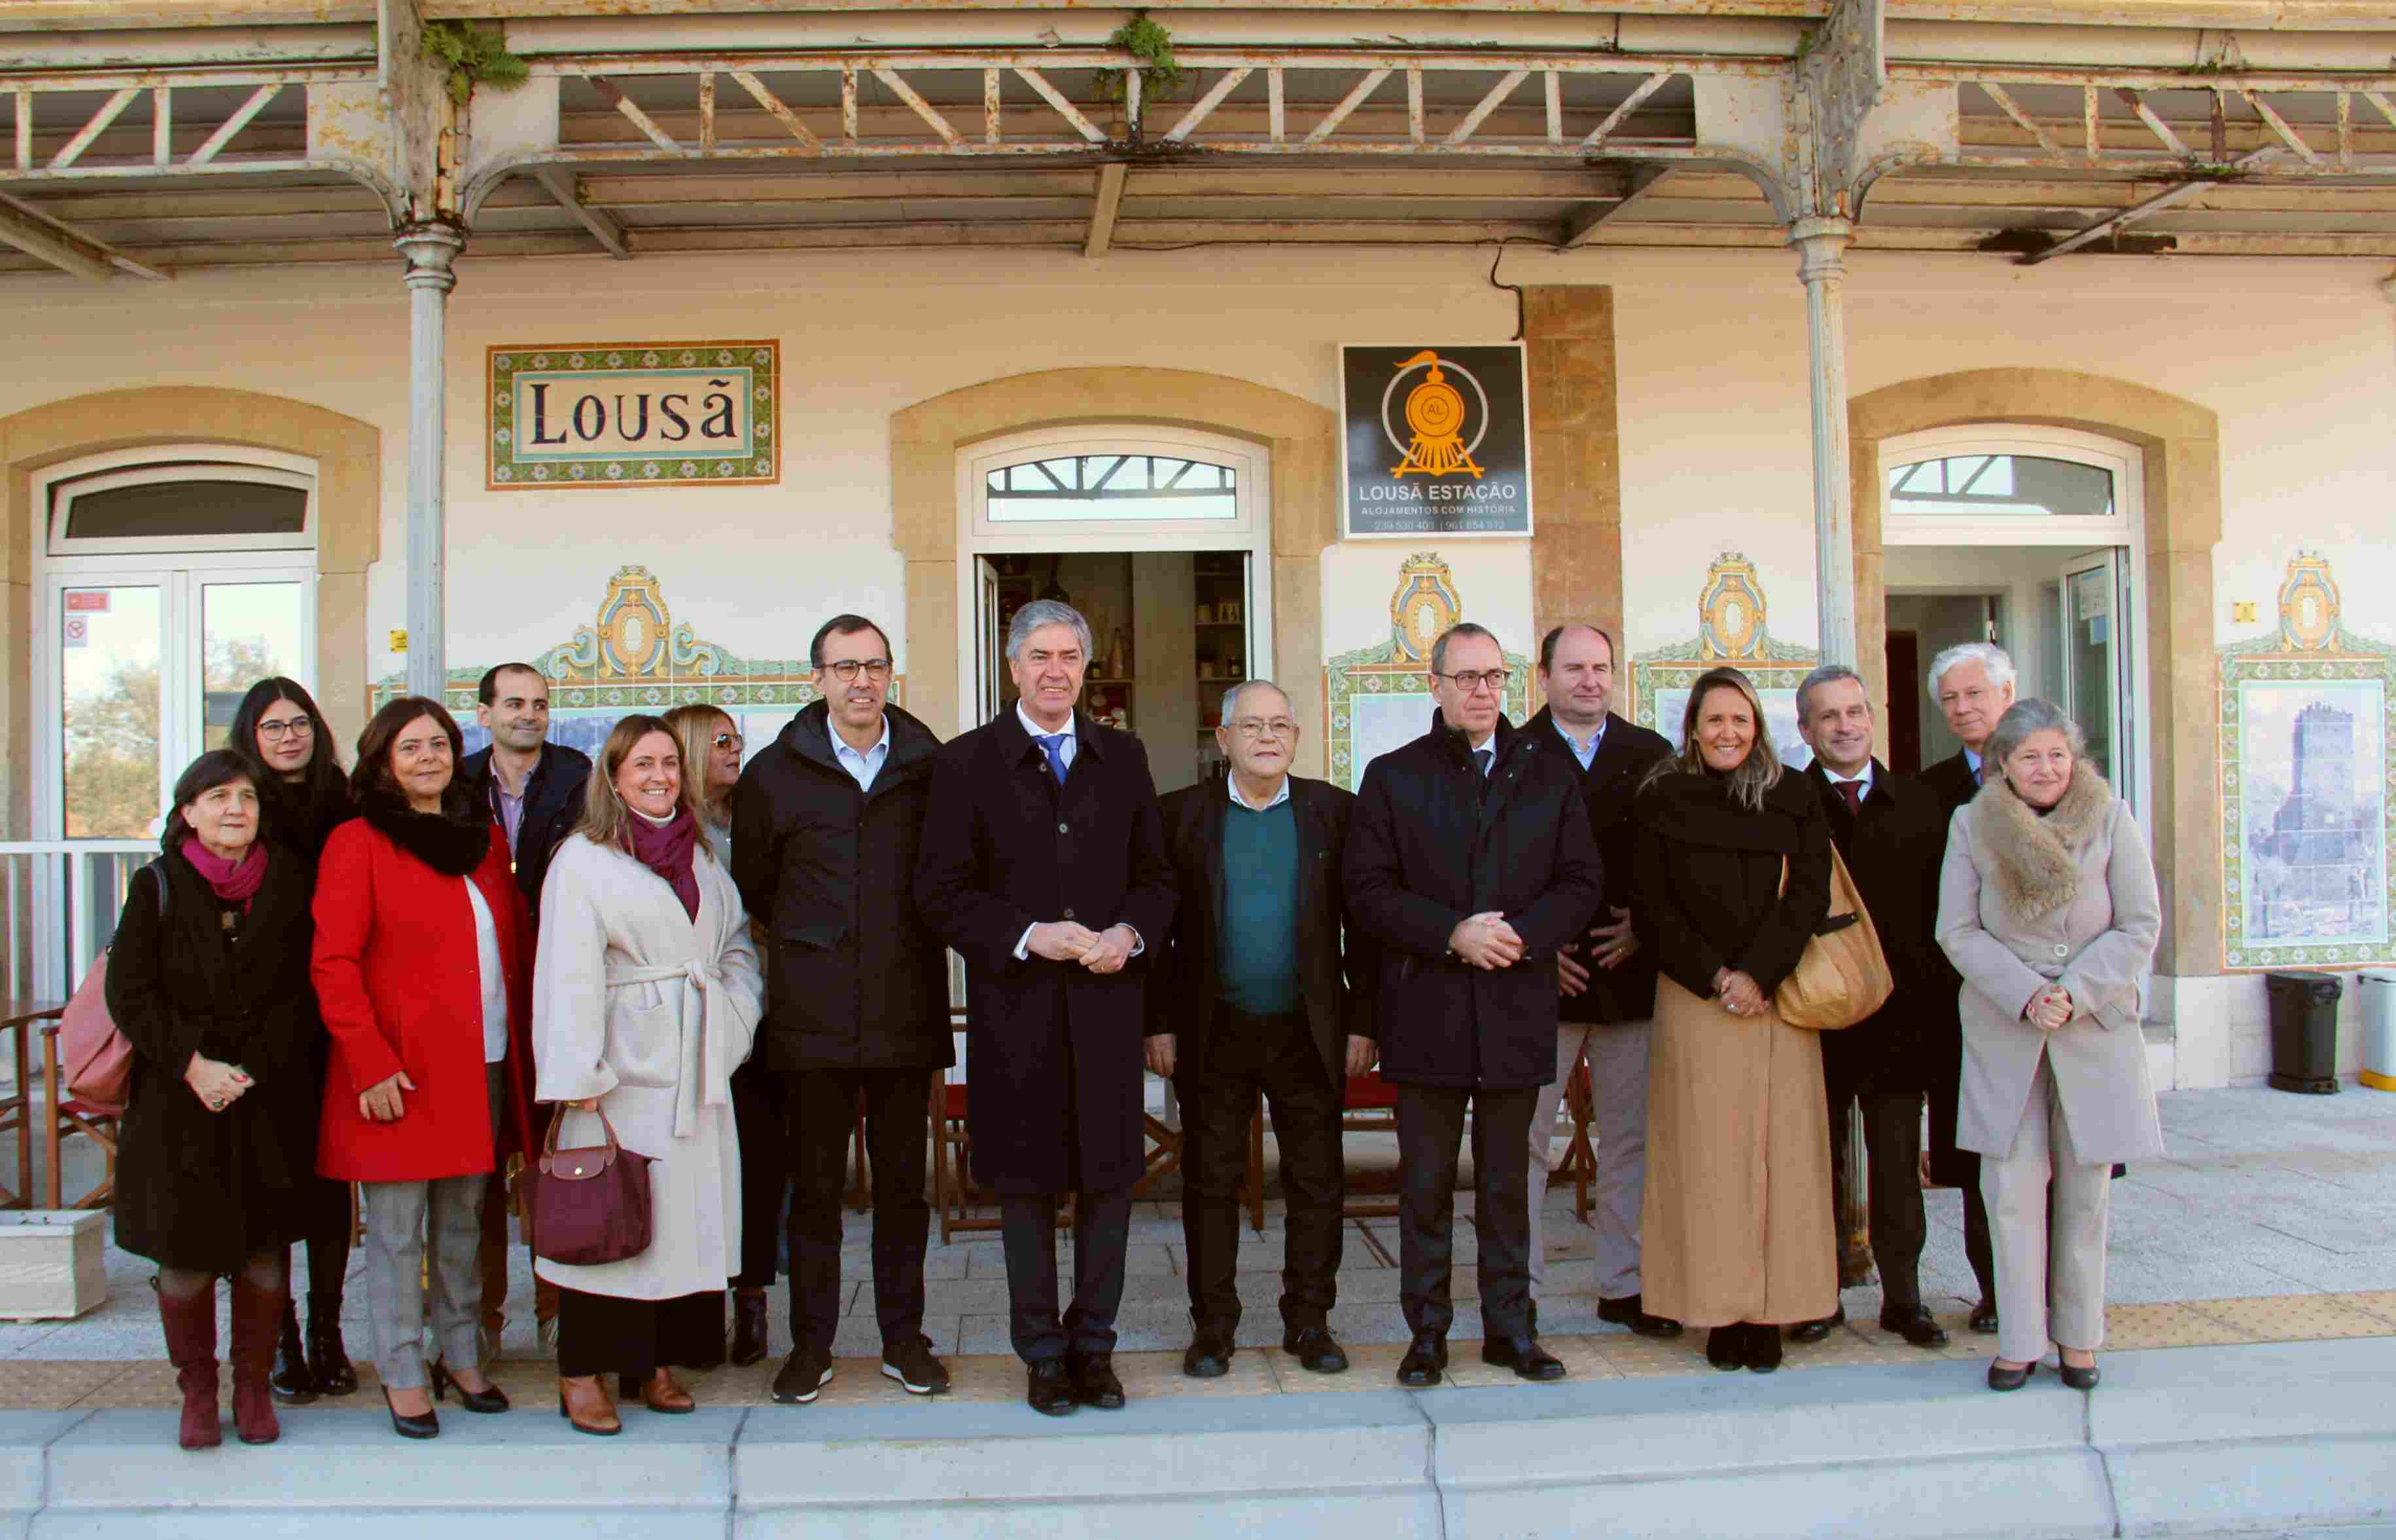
point(1617, 1081)
point(2050, 1281)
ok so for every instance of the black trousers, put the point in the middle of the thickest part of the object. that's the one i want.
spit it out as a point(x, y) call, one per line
point(1101, 1234)
point(327, 1221)
point(758, 1117)
point(1275, 1056)
point(604, 1335)
point(822, 1108)
point(1950, 1166)
point(1859, 1073)
point(1431, 1134)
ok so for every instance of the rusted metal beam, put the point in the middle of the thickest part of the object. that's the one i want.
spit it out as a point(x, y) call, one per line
point(2127, 216)
point(559, 184)
point(216, 142)
point(614, 95)
point(38, 234)
point(1582, 223)
point(1102, 213)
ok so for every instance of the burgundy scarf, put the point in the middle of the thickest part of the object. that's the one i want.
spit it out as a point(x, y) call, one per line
point(235, 881)
point(667, 849)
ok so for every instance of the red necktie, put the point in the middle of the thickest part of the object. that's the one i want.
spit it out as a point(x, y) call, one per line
point(1852, 792)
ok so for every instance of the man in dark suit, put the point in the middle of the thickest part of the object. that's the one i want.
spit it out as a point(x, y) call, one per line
point(1606, 989)
point(1251, 995)
point(1470, 866)
point(1891, 834)
point(1044, 866)
point(1972, 686)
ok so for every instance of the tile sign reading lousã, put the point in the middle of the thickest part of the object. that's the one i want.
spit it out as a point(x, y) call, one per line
point(634, 414)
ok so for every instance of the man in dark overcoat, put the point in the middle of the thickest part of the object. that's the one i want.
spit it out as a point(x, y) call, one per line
point(1044, 866)
point(1605, 982)
point(1891, 834)
point(1972, 686)
point(1251, 995)
point(827, 824)
point(1470, 865)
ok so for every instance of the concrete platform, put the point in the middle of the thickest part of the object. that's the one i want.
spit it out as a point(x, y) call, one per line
point(2274, 1439)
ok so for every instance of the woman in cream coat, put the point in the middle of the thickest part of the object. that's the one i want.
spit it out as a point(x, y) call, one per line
point(645, 998)
point(2047, 907)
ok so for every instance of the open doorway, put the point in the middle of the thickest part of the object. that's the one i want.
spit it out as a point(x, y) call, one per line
point(2029, 537)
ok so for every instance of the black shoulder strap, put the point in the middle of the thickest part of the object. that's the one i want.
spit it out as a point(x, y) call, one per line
point(157, 871)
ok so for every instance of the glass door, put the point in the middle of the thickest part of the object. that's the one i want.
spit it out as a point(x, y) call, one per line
point(2095, 658)
point(992, 670)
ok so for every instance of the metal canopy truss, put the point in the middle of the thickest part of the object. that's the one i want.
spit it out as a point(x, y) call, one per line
point(621, 154)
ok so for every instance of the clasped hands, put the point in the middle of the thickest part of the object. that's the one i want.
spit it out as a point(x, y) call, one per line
point(1738, 992)
point(218, 1085)
point(1485, 940)
point(1100, 952)
point(2049, 1009)
point(1614, 945)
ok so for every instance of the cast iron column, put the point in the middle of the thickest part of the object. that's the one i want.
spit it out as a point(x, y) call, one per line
point(1821, 242)
point(430, 250)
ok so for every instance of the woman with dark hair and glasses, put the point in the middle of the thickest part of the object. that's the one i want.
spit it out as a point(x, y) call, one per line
point(422, 968)
point(208, 979)
point(304, 795)
point(1732, 868)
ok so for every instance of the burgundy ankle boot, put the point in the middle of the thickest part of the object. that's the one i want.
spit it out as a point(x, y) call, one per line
point(191, 1327)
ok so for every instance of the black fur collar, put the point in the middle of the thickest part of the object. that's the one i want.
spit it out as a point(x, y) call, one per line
point(453, 847)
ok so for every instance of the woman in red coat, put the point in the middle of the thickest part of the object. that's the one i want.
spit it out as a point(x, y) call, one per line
point(422, 968)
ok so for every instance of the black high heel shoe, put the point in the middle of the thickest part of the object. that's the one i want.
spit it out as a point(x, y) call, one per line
point(485, 1401)
point(1726, 1347)
point(2078, 1378)
point(2002, 1378)
point(426, 1425)
point(1763, 1346)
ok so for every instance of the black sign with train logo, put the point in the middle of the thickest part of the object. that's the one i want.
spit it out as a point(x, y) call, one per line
point(1435, 441)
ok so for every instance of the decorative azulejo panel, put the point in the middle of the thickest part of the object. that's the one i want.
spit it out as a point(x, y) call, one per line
point(1378, 698)
point(632, 414)
point(1732, 629)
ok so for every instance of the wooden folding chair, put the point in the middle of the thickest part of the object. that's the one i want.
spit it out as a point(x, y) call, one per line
point(1370, 1106)
point(18, 1018)
point(67, 1119)
point(861, 1186)
point(1581, 1153)
point(954, 1192)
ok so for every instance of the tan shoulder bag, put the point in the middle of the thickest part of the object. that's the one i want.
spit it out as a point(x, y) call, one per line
point(1844, 975)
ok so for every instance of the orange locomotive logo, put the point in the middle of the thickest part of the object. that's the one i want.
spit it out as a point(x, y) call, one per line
point(1435, 417)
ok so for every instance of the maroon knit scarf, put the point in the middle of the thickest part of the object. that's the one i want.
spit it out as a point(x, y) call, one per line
point(667, 849)
point(236, 882)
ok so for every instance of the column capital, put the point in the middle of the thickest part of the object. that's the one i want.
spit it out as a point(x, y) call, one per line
point(1821, 241)
point(429, 249)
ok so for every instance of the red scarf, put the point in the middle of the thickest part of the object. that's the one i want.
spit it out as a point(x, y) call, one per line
point(667, 849)
point(235, 881)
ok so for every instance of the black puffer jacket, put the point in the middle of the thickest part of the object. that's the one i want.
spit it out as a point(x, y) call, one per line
point(855, 978)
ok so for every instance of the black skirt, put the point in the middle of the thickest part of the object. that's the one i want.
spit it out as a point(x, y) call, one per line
point(605, 1334)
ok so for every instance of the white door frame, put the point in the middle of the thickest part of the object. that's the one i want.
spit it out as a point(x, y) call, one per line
point(1250, 530)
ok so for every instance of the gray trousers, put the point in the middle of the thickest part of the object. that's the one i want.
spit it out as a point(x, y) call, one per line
point(422, 1239)
point(2050, 1270)
point(1617, 1080)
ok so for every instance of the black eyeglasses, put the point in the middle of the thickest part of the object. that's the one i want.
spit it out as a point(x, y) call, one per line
point(1472, 680)
point(845, 669)
point(274, 732)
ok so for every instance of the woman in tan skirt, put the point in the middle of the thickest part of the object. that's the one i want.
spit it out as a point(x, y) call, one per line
point(1732, 873)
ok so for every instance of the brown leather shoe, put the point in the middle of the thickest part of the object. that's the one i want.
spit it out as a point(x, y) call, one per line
point(582, 1401)
point(664, 1393)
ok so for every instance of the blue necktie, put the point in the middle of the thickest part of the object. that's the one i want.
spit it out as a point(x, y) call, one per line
point(1053, 744)
point(1480, 758)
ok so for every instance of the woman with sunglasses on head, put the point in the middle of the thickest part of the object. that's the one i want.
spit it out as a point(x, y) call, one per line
point(304, 795)
point(208, 979)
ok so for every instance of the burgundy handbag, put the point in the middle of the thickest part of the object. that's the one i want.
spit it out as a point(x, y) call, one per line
point(589, 1205)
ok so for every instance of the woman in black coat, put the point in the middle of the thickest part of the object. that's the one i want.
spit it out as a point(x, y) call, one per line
point(217, 1157)
point(305, 795)
point(1732, 869)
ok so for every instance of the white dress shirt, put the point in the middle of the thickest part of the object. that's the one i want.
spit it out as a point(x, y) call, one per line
point(1232, 784)
point(1596, 738)
point(1862, 780)
point(862, 768)
point(1065, 752)
point(494, 981)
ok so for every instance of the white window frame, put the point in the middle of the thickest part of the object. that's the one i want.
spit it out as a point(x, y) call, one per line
point(2068, 534)
point(1250, 530)
point(2126, 465)
point(171, 463)
point(180, 568)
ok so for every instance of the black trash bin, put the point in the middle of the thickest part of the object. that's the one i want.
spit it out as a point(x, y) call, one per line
point(2304, 1031)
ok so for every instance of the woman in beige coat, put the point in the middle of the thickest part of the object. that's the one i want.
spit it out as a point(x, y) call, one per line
point(2047, 907)
point(645, 998)
point(1732, 872)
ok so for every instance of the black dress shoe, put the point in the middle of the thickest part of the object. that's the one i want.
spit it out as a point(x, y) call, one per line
point(1524, 1356)
point(1726, 1347)
point(2002, 1378)
point(1315, 1350)
point(489, 1400)
point(1764, 1348)
point(1094, 1383)
point(751, 1336)
point(803, 1376)
point(1209, 1356)
point(426, 1425)
point(1914, 1325)
point(1984, 1317)
point(1049, 1388)
point(1425, 1358)
point(1814, 1331)
point(292, 1381)
point(1631, 1313)
point(2078, 1378)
